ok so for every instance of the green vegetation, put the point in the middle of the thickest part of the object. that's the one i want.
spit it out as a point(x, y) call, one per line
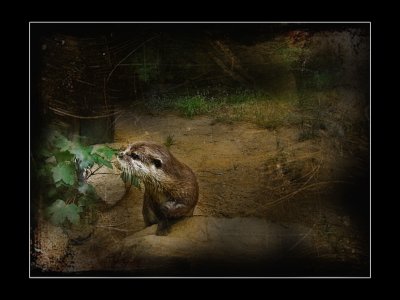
point(294, 84)
point(193, 105)
point(65, 167)
point(169, 141)
point(309, 109)
point(239, 106)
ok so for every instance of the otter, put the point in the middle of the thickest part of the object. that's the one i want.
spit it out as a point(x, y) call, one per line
point(171, 189)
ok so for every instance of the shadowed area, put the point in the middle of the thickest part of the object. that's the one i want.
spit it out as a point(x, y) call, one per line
point(206, 244)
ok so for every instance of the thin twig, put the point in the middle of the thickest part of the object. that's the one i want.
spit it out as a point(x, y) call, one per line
point(85, 82)
point(65, 113)
point(112, 228)
point(302, 189)
point(106, 173)
point(215, 173)
point(115, 225)
point(129, 54)
point(300, 240)
point(93, 172)
point(100, 166)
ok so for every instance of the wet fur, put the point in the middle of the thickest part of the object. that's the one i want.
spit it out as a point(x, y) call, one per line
point(171, 189)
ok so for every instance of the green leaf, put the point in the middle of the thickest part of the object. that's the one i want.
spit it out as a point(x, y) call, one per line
point(61, 142)
point(72, 213)
point(57, 212)
point(86, 189)
point(104, 151)
point(87, 200)
point(63, 156)
point(107, 164)
point(60, 211)
point(60, 183)
point(57, 205)
point(79, 151)
point(83, 155)
point(64, 171)
point(86, 163)
point(89, 149)
point(100, 161)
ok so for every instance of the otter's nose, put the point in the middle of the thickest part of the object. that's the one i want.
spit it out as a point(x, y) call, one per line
point(121, 155)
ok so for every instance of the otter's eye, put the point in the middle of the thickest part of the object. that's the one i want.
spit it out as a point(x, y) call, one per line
point(135, 156)
point(157, 163)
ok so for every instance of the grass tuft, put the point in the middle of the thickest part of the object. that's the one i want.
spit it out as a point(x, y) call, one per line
point(191, 106)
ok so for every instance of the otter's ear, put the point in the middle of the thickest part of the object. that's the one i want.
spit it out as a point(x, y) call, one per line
point(157, 162)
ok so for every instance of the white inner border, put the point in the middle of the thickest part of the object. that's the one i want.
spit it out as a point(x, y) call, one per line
point(186, 22)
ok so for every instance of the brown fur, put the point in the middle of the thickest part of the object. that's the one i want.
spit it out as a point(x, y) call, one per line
point(171, 189)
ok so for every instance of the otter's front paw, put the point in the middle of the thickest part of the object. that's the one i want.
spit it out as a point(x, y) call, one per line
point(162, 231)
point(162, 228)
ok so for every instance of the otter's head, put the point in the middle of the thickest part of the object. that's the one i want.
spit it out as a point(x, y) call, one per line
point(145, 160)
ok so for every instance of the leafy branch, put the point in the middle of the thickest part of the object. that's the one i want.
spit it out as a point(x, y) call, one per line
point(64, 171)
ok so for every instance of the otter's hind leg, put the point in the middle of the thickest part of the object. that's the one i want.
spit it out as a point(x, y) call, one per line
point(149, 216)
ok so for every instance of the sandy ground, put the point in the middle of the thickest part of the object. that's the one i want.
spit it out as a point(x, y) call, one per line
point(243, 171)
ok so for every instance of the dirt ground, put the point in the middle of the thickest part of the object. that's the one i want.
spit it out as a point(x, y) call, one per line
point(243, 171)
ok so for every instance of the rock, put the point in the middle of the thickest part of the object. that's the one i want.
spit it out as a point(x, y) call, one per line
point(109, 187)
point(207, 245)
